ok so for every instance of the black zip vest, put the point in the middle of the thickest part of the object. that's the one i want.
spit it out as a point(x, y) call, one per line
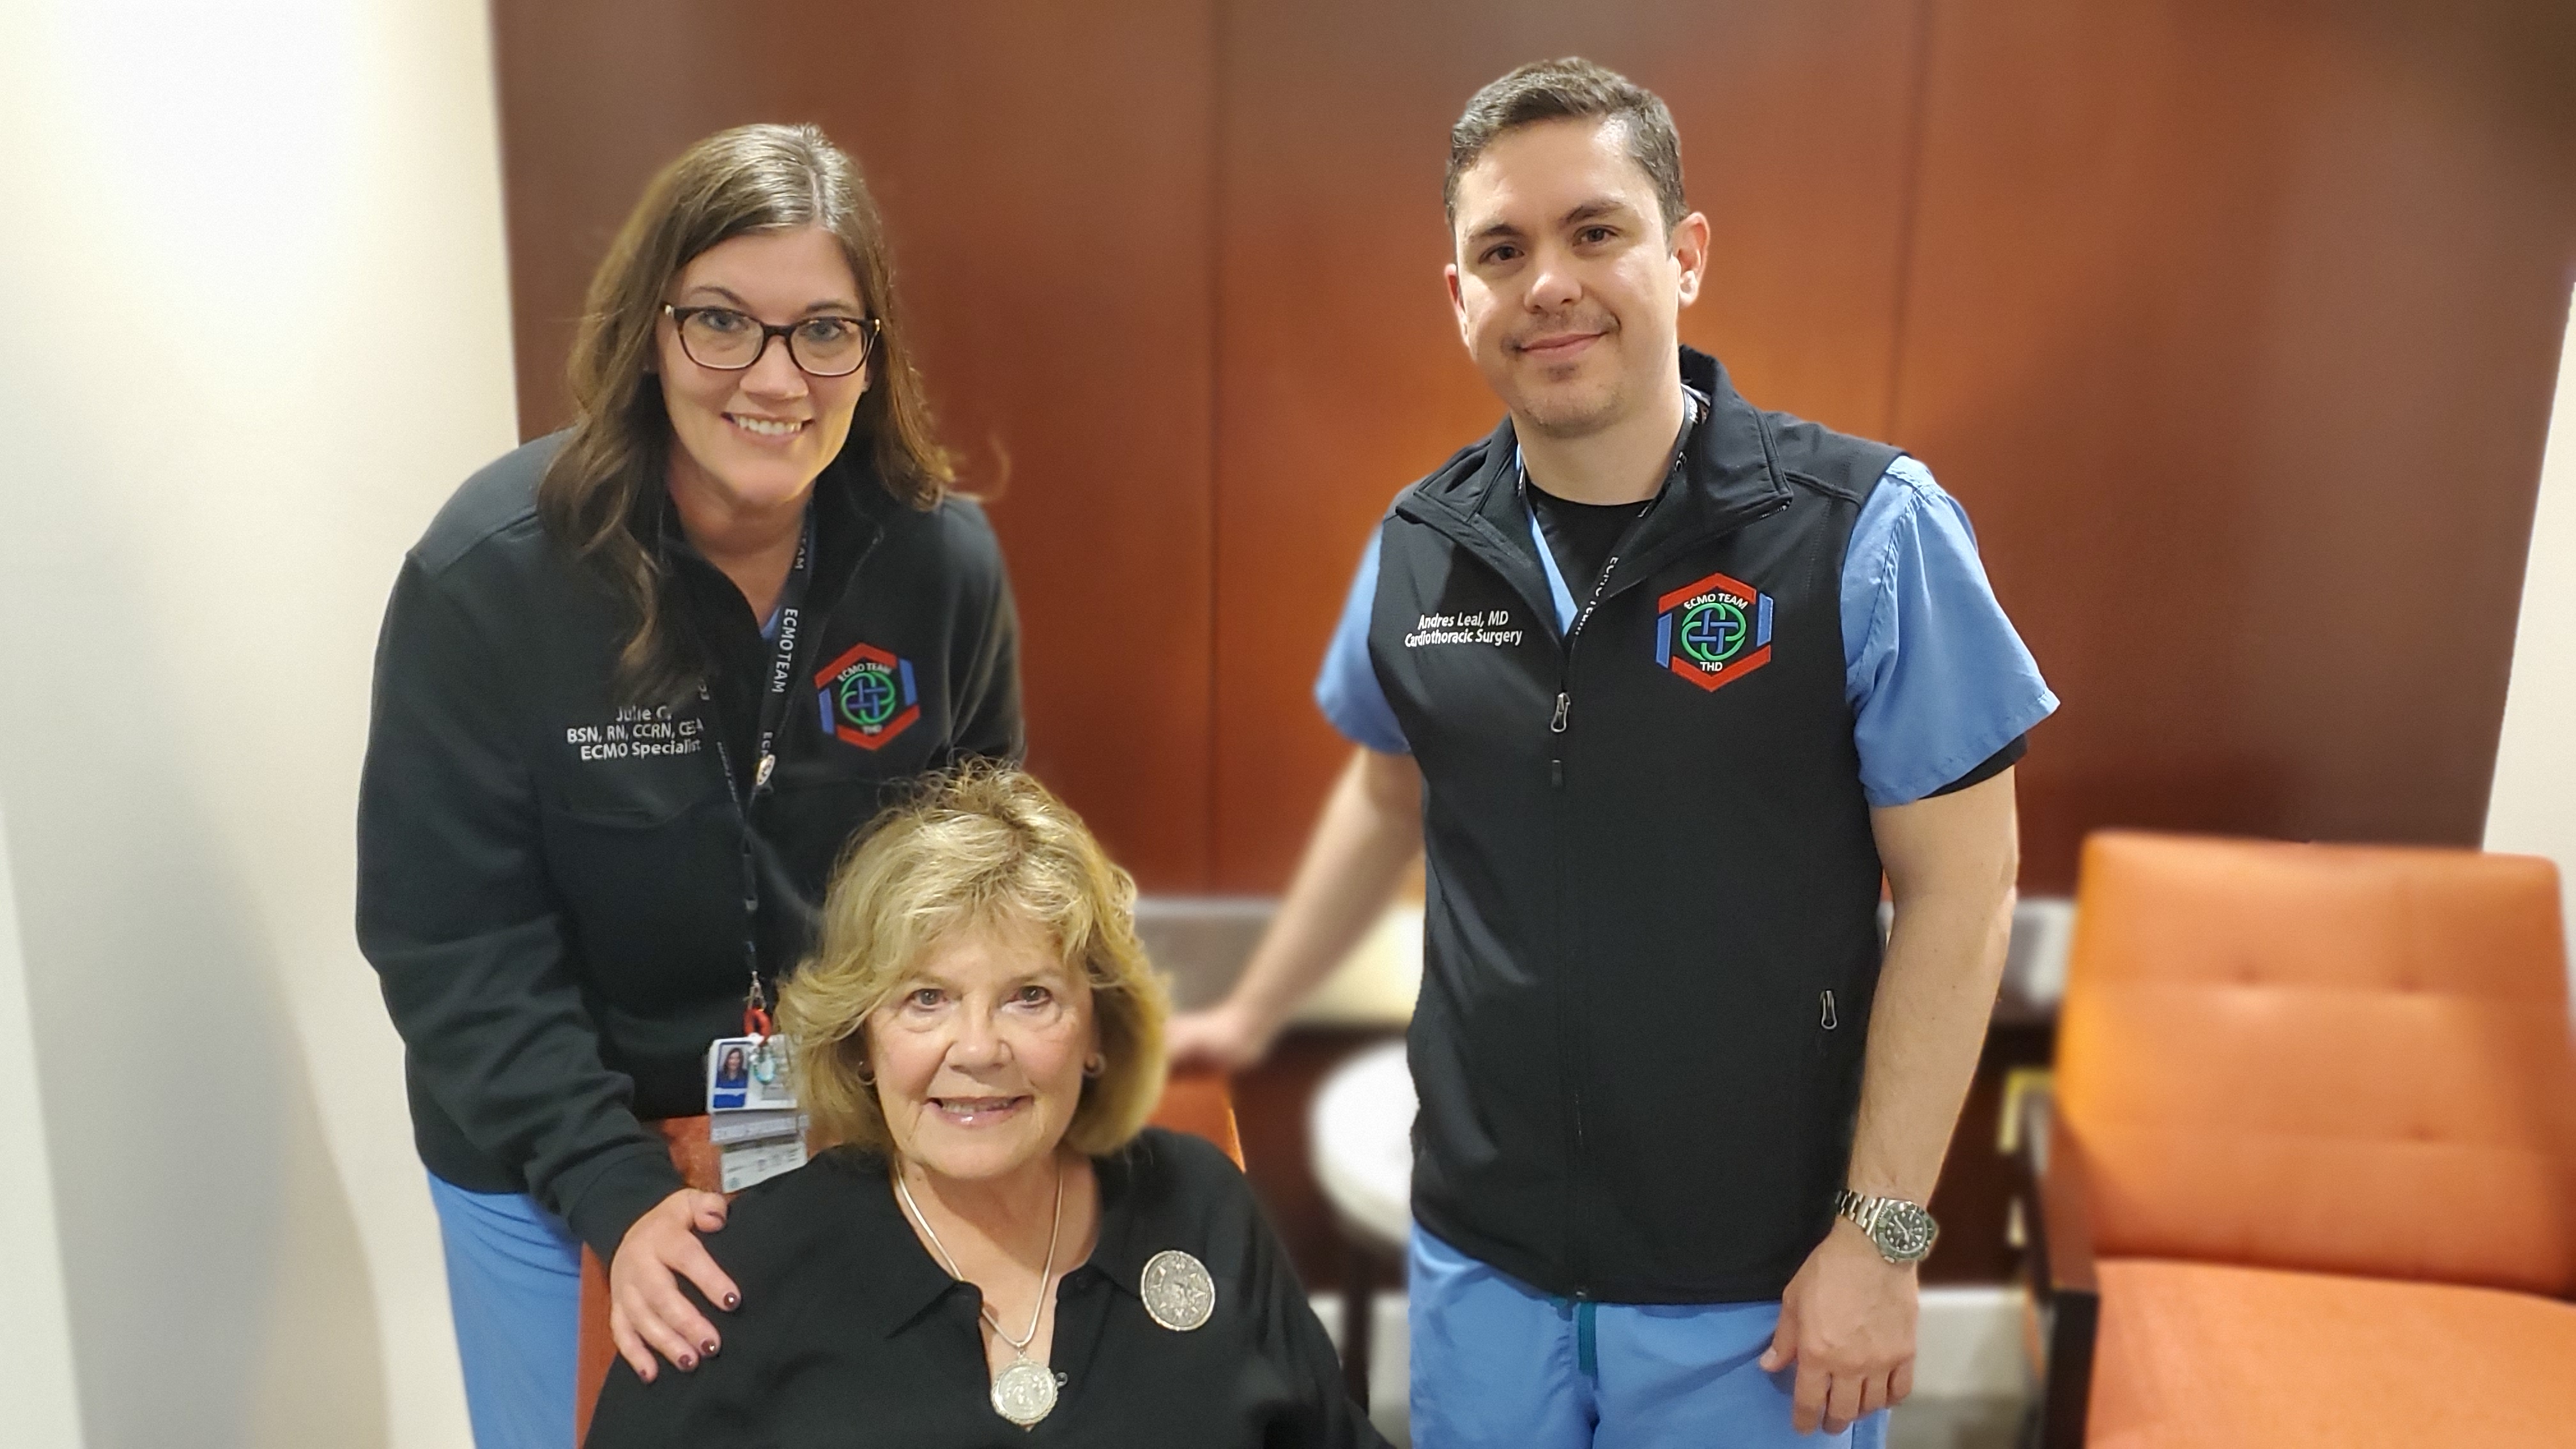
point(1650, 932)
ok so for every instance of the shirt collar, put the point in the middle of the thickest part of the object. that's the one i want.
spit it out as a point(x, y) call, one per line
point(1136, 1221)
point(899, 1282)
point(907, 1282)
point(1695, 406)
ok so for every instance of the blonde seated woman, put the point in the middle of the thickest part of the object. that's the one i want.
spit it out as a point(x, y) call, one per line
point(999, 1244)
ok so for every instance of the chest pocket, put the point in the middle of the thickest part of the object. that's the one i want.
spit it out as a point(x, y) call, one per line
point(643, 853)
point(1466, 664)
point(813, 811)
point(865, 718)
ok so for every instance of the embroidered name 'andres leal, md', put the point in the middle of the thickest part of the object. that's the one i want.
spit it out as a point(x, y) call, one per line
point(1480, 628)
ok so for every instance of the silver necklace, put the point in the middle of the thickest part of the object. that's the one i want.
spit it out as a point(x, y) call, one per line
point(1023, 1392)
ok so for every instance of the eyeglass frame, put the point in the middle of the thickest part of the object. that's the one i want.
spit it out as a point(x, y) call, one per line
point(785, 333)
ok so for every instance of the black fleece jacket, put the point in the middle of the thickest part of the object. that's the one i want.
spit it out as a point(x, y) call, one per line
point(551, 881)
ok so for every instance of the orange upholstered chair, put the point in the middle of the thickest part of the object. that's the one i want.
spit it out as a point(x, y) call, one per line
point(1199, 1103)
point(2309, 1174)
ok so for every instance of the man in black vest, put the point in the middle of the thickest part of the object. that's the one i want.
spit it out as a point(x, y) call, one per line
point(1660, 683)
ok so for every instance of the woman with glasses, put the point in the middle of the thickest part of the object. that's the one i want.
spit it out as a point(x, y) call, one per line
point(636, 688)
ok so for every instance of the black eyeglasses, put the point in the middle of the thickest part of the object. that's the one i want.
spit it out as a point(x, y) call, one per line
point(730, 340)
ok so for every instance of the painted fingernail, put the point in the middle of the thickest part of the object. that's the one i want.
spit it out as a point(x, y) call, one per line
point(687, 1362)
point(733, 1300)
point(710, 1347)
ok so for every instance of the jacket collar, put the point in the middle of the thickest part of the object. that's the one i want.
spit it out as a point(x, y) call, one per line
point(850, 510)
point(849, 506)
point(1730, 476)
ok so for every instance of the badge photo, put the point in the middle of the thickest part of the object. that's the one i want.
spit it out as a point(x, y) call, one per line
point(749, 1074)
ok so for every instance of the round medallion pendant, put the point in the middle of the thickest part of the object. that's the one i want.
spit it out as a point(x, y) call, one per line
point(1024, 1393)
point(1177, 1290)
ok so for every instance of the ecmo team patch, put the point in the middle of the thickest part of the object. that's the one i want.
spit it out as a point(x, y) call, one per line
point(1713, 631)
point(866, 696)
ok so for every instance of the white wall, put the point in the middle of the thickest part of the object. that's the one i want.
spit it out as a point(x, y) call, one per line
point(39, 1403)
point(2533, 805)
point(256, 328)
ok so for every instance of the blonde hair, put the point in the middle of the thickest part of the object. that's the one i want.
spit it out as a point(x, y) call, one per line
point(983, 845)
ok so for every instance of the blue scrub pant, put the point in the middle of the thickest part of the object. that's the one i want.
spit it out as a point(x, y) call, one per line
point(1496, 1362)
point(514, 1285)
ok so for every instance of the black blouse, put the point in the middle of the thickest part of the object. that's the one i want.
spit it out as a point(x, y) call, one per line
point(850, 1334)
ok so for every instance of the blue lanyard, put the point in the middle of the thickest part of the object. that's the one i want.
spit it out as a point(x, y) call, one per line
point(1557, 592)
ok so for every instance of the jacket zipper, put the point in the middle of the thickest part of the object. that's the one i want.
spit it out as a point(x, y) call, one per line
point(1577, 1258)
point(762, 769)
point(1464, 530)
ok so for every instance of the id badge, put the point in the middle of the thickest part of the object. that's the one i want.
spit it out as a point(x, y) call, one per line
point(748, 1164)
point(725, 1127)
point(749, 1074)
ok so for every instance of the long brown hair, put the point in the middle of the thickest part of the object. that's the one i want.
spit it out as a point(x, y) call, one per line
point(601, 492)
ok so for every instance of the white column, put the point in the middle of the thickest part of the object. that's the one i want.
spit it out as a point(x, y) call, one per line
point(256, 330)
point(2532, 807)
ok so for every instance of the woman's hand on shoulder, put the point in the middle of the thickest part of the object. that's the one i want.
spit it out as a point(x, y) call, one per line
point(647, 1312)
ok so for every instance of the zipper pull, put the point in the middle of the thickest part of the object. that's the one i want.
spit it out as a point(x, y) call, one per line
point(1831, 1021)
point(1556, 726)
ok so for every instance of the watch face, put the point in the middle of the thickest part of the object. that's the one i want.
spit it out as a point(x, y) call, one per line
point(1903, 1232)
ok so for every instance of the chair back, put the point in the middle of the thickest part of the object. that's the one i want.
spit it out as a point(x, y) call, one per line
point(594, 1351)
point(1202, 1105)
point(2346, 1059)
point(1199, 1103)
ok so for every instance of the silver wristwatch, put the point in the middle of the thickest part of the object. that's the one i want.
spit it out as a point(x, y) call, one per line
point(1902, 1230)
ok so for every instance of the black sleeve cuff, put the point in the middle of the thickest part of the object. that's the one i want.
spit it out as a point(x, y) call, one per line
point(1995, 764)
point(623, 1189)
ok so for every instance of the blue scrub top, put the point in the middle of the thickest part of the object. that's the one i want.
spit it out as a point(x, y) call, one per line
point(1937, 678)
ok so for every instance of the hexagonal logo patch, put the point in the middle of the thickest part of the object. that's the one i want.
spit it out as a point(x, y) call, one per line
point(1713, 631)
point(866, 697)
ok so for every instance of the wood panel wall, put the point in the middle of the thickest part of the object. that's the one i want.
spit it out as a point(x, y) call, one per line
point(2232, 321)
point(2234, 324)
point(1046, 173)
point(1340, 376)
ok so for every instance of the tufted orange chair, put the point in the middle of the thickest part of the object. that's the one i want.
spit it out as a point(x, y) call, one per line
point(1199, 1103)
point(2315, 1122)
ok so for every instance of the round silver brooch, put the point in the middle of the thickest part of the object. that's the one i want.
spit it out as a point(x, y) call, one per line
point(1177, 1290)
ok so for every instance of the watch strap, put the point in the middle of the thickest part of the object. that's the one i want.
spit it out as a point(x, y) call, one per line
point(1865, 1212)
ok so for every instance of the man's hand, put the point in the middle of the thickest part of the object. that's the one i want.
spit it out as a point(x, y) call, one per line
point(1223, 1037)
point(1371, 829)
point(1847, 1322)
point(1847, 1319)
point(647, 1312)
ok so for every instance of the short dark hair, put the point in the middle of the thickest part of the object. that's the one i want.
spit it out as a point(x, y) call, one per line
point(1570, 89)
